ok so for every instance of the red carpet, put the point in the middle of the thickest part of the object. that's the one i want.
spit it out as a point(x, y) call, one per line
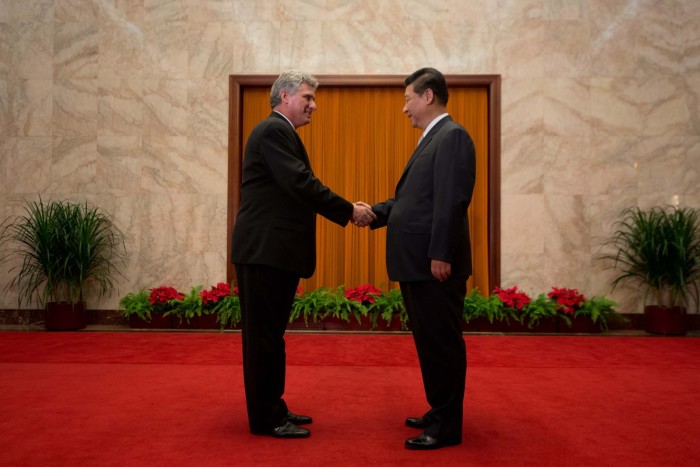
point(151, 399)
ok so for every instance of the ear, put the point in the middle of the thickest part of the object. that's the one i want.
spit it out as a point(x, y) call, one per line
point(284, 95)
point(429, 96)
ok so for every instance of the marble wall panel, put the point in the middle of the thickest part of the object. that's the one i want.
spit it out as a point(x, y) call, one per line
point(165, 52)
point(119, 163)
point(567, 107)
point(74, 109)
point(692, 104)
point(163, 166)
point(120, 107)
point(691, 173)
point(125, 103)
point(165, 107)
point(524, 164)
point(207, 163)
point(74, 164)
point(210, 50)
point(256, 47)
point(28, 107)
point(31, 50)
point(614, 165)
point(29, 165)
point(568, 171)
point(121, 50)
point(77, 10)
point(75, 50)
point(208, 107)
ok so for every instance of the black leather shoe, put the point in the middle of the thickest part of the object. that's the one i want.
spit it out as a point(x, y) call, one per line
point(290, 430)
point(298, 419)
point(417, 422)
point(425, 442)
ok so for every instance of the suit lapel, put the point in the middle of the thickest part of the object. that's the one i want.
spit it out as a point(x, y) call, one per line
point(426, 140)
point(300, 144)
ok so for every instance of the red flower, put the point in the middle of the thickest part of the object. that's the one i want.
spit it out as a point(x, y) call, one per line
point(221, 290)
point(567, 299)
point(363, 293)
point(161, 295)
point(512, 298)
point(300, 291)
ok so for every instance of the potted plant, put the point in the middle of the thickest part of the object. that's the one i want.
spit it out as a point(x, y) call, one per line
point(343, 305)
point(580, 314)
point(164, 301)
point(213, 302)
point(389, 306)
point(506, 309)
point(594, 314)
point(309, 306)
point(228, 309)
point(540, 314)
point(659, 249)
point(138, 310)
point(187, 308)
point(59, 249)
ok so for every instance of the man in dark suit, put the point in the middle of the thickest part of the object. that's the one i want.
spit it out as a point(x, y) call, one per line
point(274, 245)
point(428, 252)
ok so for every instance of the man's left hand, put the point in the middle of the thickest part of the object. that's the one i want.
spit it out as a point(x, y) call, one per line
point(441, 270)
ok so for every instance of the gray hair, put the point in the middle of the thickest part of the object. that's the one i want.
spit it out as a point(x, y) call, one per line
point(290, 81)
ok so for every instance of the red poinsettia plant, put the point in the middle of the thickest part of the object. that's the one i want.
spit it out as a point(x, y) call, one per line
point(365, 294)
point(163, 295)
point(567, 300)
point(216, 293)
point(513, 297)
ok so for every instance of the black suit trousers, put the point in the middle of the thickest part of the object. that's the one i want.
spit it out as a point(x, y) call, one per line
point(435, 311)
point(266, 296)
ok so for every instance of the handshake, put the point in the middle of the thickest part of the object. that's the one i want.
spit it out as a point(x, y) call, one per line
point(362, 214)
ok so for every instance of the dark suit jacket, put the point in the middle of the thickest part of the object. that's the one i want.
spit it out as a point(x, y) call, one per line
point(280, 196)
point(427, 217)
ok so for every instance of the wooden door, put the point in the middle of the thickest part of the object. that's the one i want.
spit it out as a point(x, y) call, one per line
point(359, 141)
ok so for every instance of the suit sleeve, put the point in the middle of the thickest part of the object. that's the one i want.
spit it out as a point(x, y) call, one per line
point(297, 179)
point(382, 211)
point(454, 178)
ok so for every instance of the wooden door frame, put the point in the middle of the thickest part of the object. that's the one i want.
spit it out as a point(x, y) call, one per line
point(492, 84)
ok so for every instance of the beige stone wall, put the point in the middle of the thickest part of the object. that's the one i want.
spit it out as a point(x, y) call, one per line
point(124, 103)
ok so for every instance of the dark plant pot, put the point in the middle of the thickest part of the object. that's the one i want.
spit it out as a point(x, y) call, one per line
point(336, 324)
point(299, 324)
point(664, 320)
point(206, 321)
point(64, 316)
point(543, 326)
point(393, 326)
point(158, 321)
point(547, 326)
point(579, 325)
point(474, 325)
point(196, 322)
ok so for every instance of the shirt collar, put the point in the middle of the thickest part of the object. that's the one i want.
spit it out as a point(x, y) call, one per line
point(433, 123)
point(285, 117)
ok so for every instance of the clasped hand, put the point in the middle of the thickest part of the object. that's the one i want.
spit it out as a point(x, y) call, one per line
point(362, 214)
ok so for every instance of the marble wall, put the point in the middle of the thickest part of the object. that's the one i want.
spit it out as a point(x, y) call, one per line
point(124, 103)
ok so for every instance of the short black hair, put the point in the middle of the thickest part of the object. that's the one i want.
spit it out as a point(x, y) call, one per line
point(429, 78)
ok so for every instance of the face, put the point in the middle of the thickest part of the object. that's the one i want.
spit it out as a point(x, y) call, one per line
point(300, 105)
point(415, 108)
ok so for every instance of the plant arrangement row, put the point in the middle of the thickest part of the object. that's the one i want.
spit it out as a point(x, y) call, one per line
point(510, 305)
